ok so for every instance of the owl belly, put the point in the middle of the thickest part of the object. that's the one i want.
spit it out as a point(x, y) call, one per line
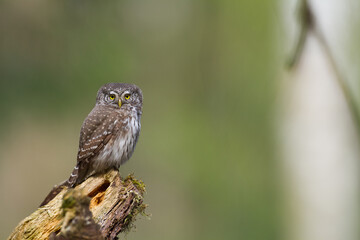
point(120, 149)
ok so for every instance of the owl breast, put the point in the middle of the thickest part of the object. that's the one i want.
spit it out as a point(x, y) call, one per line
point(122, 144)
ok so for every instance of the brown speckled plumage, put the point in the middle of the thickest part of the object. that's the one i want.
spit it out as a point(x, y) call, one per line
point(109, 133)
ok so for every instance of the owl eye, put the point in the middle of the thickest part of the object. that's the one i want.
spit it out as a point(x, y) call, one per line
point(127, 96)
point(112, 97)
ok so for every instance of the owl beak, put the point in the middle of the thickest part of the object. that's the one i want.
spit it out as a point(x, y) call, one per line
point(120, 102)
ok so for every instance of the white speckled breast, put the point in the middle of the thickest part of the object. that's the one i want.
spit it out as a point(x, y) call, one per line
point(121, 146)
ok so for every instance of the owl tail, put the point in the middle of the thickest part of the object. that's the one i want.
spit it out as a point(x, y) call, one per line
point(77, 176)
point(55, 191)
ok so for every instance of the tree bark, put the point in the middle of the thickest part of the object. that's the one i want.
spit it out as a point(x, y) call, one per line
point(103, 205)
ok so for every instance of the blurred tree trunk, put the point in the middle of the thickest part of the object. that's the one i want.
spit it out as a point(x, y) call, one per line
point(319, 131)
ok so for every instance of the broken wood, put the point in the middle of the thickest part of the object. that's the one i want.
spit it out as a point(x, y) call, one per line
point(113, 204)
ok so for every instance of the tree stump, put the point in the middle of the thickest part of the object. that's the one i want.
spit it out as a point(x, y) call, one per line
point(99, 208)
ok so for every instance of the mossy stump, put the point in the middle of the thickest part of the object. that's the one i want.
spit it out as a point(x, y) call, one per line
point(113, 205)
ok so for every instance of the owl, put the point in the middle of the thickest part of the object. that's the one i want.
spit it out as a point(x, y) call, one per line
point(108, 134)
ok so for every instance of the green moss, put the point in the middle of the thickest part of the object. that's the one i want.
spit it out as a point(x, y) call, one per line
point(138, 205)
point(68, 202)
point(73, 199)
point(129, 222)
point(140, 185)
point(137, 202)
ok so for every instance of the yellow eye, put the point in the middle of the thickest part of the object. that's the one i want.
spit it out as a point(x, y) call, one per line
point(112, 96)
point(127, 96)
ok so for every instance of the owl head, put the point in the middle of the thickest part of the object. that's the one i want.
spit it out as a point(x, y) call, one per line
point(122, 96)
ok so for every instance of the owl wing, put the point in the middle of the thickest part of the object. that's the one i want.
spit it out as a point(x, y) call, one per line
point(96, 132)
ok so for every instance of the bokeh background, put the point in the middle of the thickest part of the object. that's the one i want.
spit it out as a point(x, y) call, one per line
point(211, 74)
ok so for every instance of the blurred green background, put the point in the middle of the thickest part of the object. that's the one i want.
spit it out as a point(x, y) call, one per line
point(207, 71)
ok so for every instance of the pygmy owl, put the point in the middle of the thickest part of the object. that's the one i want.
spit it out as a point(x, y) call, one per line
point(108, 135)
